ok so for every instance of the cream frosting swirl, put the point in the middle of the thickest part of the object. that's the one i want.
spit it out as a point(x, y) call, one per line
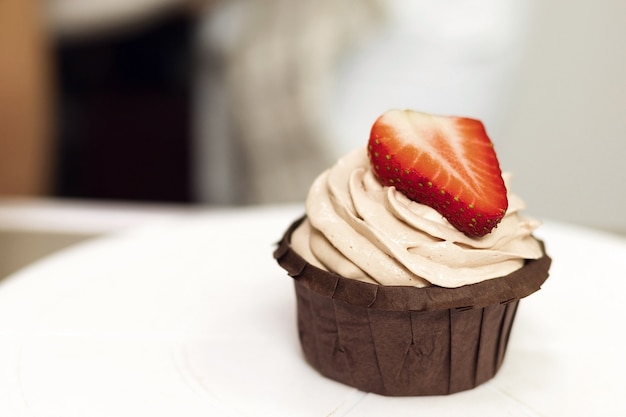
point(363, 230)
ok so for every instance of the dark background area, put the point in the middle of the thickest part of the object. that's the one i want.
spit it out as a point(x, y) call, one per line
point(124, 111)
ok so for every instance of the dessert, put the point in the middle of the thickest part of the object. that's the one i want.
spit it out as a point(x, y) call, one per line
point(411, 259)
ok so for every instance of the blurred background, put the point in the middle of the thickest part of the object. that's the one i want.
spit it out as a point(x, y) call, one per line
point(210, 102)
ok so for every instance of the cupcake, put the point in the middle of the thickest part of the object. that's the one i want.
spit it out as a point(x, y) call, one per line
point(411, 260)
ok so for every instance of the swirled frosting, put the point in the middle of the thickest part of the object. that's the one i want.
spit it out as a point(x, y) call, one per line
point(360, 229)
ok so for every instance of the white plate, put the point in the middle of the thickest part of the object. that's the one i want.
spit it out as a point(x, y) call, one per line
point(193, 317)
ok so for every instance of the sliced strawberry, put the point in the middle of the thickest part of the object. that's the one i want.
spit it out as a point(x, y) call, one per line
point(447, 163)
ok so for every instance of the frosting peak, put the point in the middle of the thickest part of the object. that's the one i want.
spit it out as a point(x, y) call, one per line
point(360, 229)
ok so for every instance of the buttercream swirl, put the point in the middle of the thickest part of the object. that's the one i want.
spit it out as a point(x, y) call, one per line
point(363, 230)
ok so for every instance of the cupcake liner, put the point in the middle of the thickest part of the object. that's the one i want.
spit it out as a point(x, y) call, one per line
point(405, 341)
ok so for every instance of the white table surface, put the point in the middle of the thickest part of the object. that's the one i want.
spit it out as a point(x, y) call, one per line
point(191, 316)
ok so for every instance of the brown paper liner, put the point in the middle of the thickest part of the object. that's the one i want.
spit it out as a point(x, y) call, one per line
point(405, 341)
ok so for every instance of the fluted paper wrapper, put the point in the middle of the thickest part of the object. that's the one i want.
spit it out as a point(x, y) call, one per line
point(405, 341)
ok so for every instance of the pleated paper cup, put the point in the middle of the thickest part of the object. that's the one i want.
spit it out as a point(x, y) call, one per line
point(405, 341)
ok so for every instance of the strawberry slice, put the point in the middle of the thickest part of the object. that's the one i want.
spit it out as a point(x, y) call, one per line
point(447, 163)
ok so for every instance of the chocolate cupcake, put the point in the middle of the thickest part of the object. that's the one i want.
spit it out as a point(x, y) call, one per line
point(397, 294)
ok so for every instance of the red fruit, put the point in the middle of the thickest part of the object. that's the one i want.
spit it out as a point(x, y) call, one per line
point(447, 163)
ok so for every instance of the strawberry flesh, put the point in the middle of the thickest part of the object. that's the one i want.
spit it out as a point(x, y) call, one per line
point(447, 163)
